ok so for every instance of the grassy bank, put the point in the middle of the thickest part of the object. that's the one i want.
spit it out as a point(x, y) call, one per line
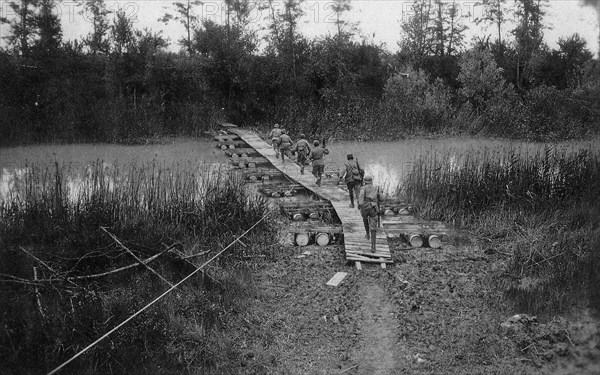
point(71, 242)
point(539, 211)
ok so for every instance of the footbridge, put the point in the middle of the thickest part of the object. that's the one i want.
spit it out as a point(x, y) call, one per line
point(252, 149)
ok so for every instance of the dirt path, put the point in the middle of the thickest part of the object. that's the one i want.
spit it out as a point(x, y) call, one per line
point(376, 351)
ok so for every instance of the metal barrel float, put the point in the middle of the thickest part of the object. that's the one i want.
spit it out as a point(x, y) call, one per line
point(415, 240)
point(403, 211)
point(434, 241)
point(302, 239)
point(322, 239)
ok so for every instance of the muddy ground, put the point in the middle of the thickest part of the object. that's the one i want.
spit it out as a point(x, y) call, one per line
point(432, 312)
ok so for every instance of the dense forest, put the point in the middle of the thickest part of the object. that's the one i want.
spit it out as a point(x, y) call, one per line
point(122, 84)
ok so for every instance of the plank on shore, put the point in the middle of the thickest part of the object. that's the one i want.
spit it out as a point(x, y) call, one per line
point(370, 260)
point(337, 278)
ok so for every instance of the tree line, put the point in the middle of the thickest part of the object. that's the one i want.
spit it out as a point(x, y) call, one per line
point(121, 84)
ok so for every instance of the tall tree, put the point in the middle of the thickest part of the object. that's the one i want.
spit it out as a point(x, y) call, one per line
point(227, 51)
point(184, 13)
point(416, 40)
point(49, 29)
point(340, 8)
point(23, 28)
point(456, 29)
point(122, 33)
point(528, 36)
point(446, 30)
point(289, 21)
point(481, 79)
point(273, 38)
point(495, 13)
point(96, 12)
point(565, 67)
point(239, 10)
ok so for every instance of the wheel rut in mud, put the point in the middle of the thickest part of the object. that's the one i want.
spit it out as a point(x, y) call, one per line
point(377, 350)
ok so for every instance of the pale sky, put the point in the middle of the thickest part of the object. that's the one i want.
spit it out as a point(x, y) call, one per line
point(378, 20)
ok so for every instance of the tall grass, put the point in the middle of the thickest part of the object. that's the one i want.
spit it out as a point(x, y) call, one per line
point(540, 210)
point(53, 223)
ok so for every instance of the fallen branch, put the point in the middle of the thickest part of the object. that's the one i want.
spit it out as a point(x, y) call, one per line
point(98, 275)
point(186, 259)
point(37, 294)
point(19, 280)
point(136, 257)
point(38, 282)
point(36, 258)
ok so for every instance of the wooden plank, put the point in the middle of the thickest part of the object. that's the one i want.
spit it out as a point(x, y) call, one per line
point(367, 253)
point(337, 278)
point(352, 223)
point(368, 260)
point(406, 231)
point(308, 229)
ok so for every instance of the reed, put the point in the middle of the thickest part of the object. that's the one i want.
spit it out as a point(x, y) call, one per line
point(536, 209)
point(53, 222)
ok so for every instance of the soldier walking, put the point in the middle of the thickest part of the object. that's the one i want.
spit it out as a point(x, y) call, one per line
point(302, 149)
point(353, 177)
point(317, 155)
point(274, 136)
point(368, 201)
point(285, 145)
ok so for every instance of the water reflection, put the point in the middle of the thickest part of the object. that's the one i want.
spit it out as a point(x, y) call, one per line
point(389, 162)
point(80, 184)
point(78, 161)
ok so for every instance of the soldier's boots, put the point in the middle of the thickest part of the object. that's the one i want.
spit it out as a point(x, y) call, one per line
point(373, 239)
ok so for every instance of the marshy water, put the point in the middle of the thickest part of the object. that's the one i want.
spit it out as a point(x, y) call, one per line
point(388, 162)
point(81, 163)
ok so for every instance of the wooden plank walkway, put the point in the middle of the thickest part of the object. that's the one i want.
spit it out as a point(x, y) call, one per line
point(357, 247)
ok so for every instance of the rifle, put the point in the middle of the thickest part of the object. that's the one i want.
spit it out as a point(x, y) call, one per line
point(361, 172)
point(378, 210)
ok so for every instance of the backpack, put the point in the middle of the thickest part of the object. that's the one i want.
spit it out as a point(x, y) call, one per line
point(302, 145)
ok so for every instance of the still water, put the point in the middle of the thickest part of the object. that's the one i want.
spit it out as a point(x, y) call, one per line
point(387, 162)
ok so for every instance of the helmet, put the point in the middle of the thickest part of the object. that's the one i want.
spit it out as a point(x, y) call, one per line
point(276, 125)
point(368, 179)
point(350, 157)
point(316, 142)
point(302, 135)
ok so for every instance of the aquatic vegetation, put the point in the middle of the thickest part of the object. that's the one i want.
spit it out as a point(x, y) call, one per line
point(66, 280)
point(454, 188)
point(539, 211)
